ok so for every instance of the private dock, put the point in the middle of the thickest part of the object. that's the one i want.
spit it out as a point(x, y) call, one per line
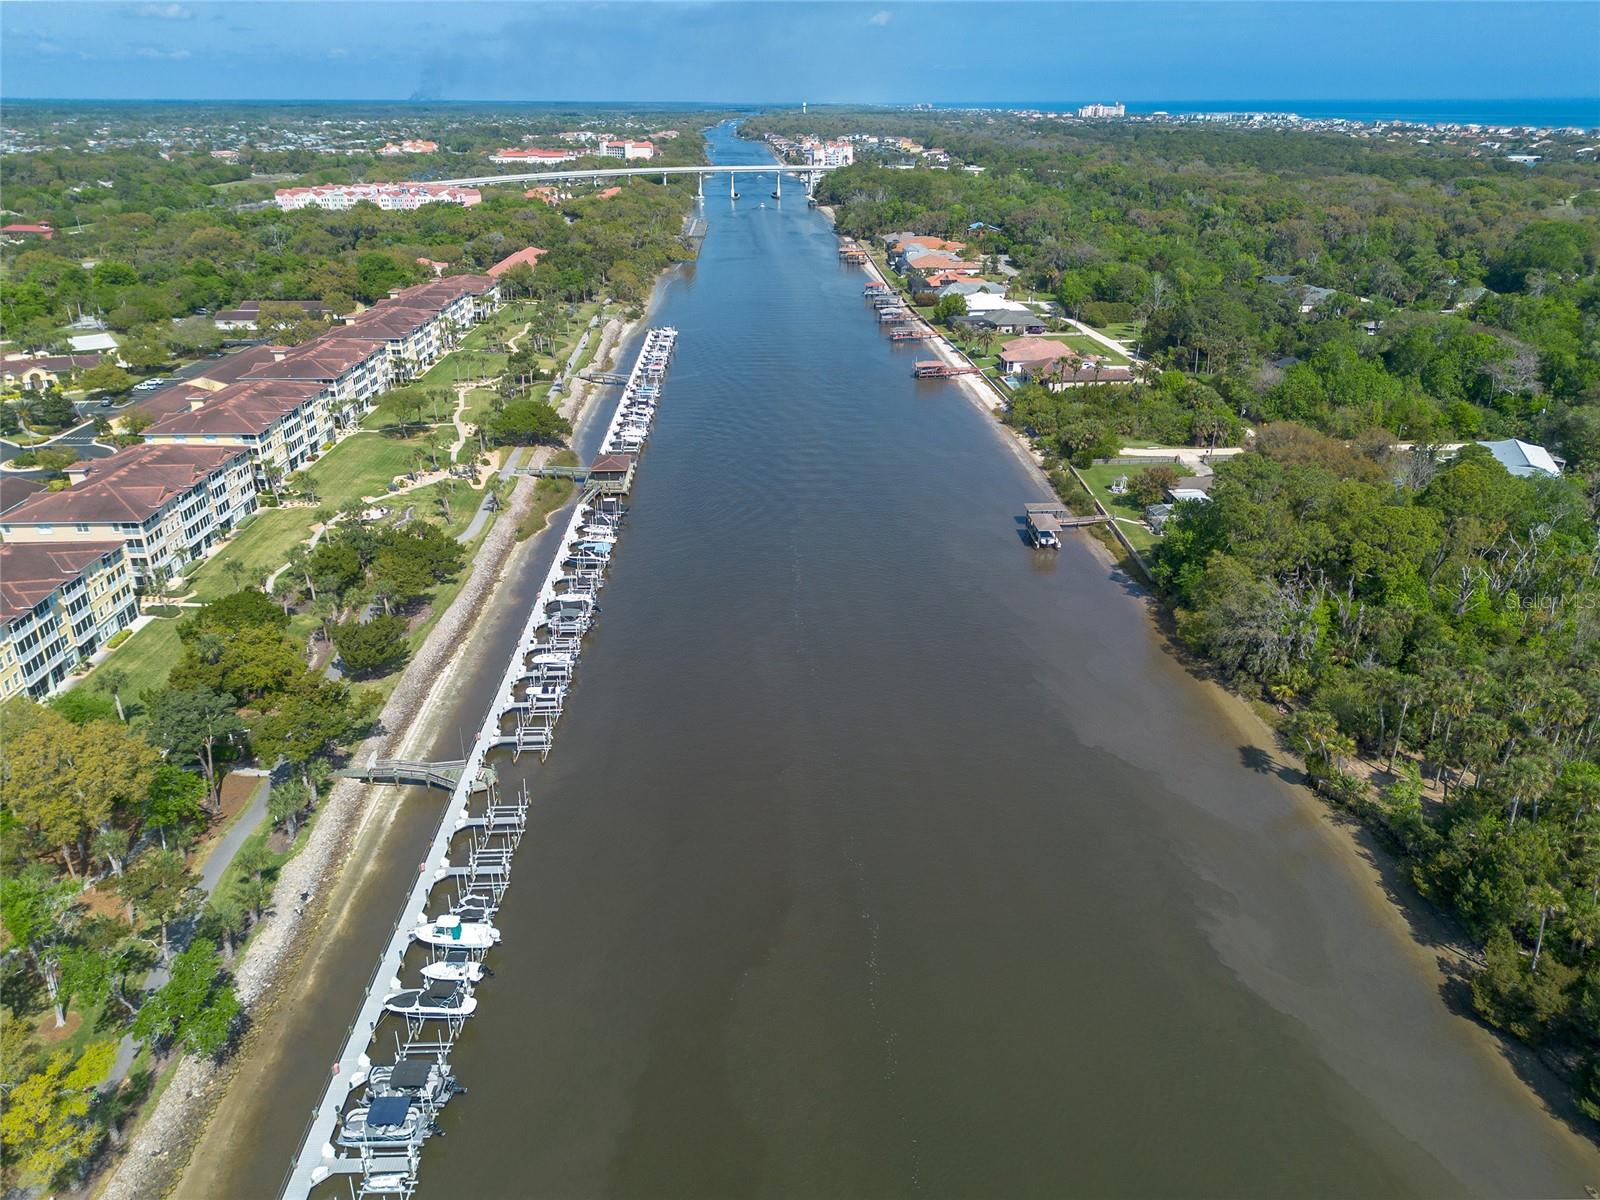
point(373, 1118)
point(912, 335)
point(932, 368)
point(850, 252)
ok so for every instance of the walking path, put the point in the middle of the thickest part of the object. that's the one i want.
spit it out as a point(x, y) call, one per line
point(217, 861)
point(1109, 343)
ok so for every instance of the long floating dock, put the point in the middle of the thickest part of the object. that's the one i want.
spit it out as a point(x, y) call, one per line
point(376, 1143)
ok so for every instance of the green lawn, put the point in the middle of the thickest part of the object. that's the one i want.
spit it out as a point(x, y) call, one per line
point(1085, 344)
point(464, 363)
point(1126, 332)
point(1099, 479)
point(363, 465)
point(259, 549)
point(147, 657)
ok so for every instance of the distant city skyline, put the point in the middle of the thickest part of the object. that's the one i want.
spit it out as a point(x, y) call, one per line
point(771, 53)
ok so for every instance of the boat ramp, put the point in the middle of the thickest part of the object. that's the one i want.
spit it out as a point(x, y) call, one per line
point(375, 1116)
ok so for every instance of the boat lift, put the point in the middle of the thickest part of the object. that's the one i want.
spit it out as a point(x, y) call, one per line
point(478, 869)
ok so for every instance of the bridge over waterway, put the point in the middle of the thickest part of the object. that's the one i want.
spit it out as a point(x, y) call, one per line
point(806, 174)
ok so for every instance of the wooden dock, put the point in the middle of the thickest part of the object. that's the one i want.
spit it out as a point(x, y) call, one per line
point(912, 335)
point(932, 368)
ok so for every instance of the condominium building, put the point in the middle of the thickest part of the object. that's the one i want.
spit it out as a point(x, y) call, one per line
point(627, 150)
point(532, 155)
point(353, 371)
point(338, 197)
point(281, 422)
point(59, 603)
point(1100, 112)
point(169, 503)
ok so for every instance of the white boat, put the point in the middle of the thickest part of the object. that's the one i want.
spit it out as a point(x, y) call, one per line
point(441, 998)
point(467, 970)
point(387, 1121)
point(420, 1078)
point(451, 930)
point(475, 908)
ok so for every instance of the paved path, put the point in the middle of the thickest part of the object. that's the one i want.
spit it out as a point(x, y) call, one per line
point(478, 520)
point(246, 823)
point(1109, 343)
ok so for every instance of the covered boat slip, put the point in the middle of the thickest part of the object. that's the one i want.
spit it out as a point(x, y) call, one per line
point(471, 854)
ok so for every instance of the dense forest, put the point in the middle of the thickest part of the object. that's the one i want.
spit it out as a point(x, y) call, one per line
point(163, 242)
point(1180, 230)
point(1424, 628)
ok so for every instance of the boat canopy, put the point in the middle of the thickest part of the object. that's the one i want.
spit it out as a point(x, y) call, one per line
point(388, 1112)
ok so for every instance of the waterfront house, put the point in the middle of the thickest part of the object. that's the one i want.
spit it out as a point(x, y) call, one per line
point(1026, 355)
point(59, 603)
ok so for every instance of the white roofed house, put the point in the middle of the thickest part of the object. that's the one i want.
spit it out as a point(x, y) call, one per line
point(1523, 458)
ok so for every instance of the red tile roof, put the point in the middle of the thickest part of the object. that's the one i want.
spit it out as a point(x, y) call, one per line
point(14, 489)
point(321, 358)
point(241, 408)
point(531, 256)
point(129, 486)
point(1036, 349)
point(30, 571)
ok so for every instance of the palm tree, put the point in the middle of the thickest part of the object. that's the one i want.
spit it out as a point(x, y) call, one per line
point(1526, 776)
point(227, 920)
point(1545, 901)
point(1407, 691)
point(234, 570)
point(113, 680)
point(300, 562)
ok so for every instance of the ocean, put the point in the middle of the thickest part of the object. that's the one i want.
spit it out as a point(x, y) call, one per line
point(1582, 111)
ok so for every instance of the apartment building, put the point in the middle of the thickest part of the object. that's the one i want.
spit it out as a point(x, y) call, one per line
point(281, 422)
point(404, 197)
point(532, 155)
point(59, 603)
point(169, 503)
point(413, 336)
point(627, 150)
point(353, 371)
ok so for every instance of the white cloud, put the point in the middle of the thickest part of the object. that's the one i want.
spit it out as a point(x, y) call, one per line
point(168, 55)
point(882, 17)
point(165, 12)
point(338, 52)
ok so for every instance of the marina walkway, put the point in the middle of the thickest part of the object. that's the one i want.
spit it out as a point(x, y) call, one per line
point(318, 1159)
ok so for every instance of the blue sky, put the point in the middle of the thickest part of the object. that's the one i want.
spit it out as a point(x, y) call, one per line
point(980, 50)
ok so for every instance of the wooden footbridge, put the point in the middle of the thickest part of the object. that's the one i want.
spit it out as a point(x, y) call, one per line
point(407, 772)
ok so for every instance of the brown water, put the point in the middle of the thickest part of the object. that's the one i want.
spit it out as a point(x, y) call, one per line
point(881, 856)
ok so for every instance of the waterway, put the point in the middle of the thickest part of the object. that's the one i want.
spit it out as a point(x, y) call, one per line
point(882, 856)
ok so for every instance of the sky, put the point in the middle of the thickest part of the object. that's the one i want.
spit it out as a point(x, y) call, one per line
point(765, 51)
